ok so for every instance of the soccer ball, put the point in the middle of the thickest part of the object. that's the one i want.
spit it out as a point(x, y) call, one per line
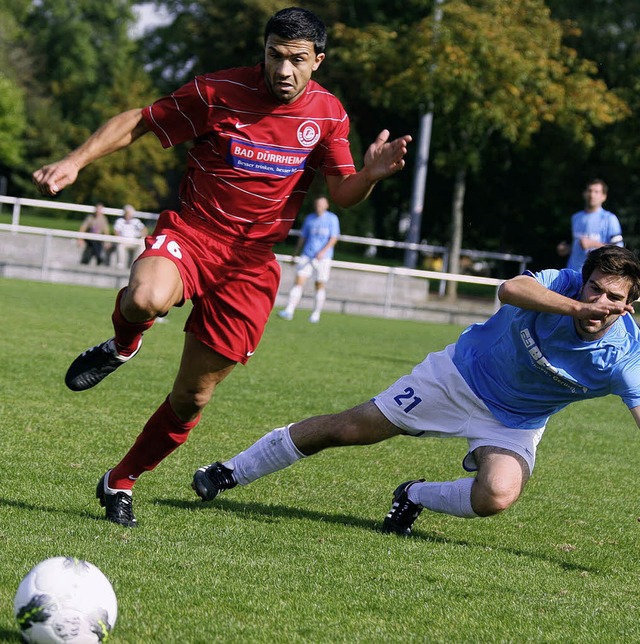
point(64, 600)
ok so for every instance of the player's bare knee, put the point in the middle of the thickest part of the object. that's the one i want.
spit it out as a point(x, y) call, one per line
point(145, 301)
point(495, 496)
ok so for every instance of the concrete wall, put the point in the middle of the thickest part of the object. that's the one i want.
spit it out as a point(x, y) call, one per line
point(359, 292)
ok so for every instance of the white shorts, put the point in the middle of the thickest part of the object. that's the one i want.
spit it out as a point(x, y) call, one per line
point(319, 268)
point(435, 401)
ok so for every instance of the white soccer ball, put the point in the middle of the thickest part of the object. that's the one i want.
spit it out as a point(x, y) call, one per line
point(64, 600)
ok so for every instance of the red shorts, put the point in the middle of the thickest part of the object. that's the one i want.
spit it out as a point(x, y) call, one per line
point(232, 284)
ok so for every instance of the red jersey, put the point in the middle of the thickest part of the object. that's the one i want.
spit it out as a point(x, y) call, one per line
point(253, 158)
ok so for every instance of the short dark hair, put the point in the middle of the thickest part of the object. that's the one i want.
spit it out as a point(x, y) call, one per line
point(596, 182)
point(614, 260)
point(294, 23)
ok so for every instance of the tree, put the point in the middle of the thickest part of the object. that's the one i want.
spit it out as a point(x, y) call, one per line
point(496, 68)
point(12, 123)
point(84, 70)
point(206, 36)
point(609, 33)
point(13, 120)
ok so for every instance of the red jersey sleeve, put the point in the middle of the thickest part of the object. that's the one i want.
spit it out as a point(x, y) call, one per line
point(337, 159)
point(181, 116)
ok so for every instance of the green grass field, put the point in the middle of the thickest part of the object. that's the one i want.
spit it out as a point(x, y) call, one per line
point(298, 556)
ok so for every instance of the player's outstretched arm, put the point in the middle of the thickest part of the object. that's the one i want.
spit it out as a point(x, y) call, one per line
point(383, 159)
point(117, 133)
point(527, 293)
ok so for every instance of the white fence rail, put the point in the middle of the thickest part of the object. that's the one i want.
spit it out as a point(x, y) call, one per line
point(46, 254)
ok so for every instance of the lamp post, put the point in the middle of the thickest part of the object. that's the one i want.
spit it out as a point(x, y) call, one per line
point(422, 162)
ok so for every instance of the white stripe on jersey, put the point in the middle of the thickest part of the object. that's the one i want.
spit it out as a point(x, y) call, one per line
point(202, 98)
point(231, 185)
point(184, 114)
point(226, 80)
point(159, 126)
point(232, 110)
point(244, 219)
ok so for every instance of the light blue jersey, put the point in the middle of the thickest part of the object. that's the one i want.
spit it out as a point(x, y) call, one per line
point(601, 226)
point(526, 366)
point(317, 231)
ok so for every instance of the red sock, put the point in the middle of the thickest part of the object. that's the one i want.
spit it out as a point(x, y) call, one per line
point(163, 433)
point(127, 334)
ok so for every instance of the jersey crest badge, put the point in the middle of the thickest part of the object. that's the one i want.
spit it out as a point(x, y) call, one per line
point(309, 134)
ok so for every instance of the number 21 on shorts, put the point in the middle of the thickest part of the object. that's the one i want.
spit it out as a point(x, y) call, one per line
point(407, 400)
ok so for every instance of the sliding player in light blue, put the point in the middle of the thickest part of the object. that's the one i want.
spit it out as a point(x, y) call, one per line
point(561, 336)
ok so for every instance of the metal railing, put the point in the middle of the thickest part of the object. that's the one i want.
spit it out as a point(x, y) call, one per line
point(384, 283)
point(367, 242)
point(355, 286)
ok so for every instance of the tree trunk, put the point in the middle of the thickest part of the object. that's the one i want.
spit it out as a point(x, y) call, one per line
point(457, 215)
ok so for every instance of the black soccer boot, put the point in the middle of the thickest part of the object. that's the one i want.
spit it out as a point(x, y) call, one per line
point(403, 512)
point(118, 506)
point(95, 364)
point(211, 480)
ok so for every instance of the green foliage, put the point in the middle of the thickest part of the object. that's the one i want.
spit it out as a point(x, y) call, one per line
point(81, 68)
point(12, 95)
point(609, 33)
point(12, 122)
point(486, 67)
point(206, 36)
point(80, 46)
point(533, 102)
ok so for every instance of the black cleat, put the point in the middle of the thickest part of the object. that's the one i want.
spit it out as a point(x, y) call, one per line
point(403, 512)
point(118, 506)
point(95, 364)
point(211, 480)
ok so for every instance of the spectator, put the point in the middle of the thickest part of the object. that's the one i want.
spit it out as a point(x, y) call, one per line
point(97, 224)
point(592, 227)
point(129, 227)
point(319, 234)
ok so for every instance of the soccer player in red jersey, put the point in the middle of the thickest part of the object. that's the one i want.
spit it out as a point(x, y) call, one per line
point(260, 135)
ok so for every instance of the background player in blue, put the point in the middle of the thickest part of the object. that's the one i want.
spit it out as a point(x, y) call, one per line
point(562, 336)
point(592, 227)
point(319, 234)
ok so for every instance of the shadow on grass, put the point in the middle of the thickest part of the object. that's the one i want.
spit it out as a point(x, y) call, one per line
point(269, 513)
point(22, 505)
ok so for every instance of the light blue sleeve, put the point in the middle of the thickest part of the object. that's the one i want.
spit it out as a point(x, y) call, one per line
point(335, 225)
point(565, 281)
point(614, 233)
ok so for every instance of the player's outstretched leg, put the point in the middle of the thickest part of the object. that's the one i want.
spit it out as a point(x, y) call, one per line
point(271, 453)
point(117, 503)
point(95, 364)
point(209, 481)
point(403, 512)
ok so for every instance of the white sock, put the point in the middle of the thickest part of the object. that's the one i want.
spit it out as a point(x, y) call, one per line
point(294, 298)
point(450, 497)
point(273, 452)
point(321, 296)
